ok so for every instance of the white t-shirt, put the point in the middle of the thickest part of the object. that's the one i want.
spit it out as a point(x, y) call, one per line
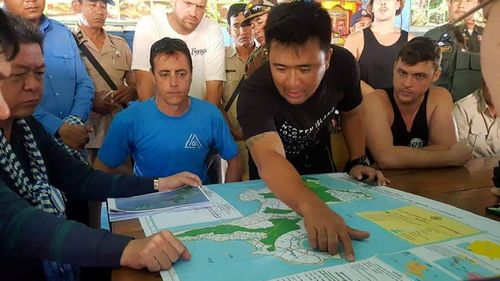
point(205, 42)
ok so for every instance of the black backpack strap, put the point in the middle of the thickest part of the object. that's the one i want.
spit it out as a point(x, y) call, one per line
point(86, 52)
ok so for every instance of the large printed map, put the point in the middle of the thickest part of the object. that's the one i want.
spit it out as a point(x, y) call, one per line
point(412, 238)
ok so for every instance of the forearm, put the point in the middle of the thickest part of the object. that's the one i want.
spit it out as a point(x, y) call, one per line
point(353, 130)
point(214, 92)
point(437, 147)
point(76, 178)
point(83, 102)
point(101, 248)
point(98, 186)
point(144, 84)
point(234, 170)
point(84, 89)
point(403, 157)
point(286, 183)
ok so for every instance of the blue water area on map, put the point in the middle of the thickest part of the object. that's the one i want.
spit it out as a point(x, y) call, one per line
point(379, 239)
point(414, 267)
point(237, 256)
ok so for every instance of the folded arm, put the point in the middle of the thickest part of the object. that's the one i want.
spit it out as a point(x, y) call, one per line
point(379, 118)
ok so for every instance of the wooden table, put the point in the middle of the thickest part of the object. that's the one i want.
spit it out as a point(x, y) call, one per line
point(466, 187)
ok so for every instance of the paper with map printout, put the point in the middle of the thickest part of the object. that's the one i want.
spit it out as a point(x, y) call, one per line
point(219, 210)
point(184, 198)
point(412, 238)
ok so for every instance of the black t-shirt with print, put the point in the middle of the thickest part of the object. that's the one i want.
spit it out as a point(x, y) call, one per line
point(261, 108)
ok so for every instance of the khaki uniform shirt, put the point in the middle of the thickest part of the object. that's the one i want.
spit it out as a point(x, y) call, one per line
point(461, 70)
point(235, 70)
point(256, 59)
point(116, 59)
point(476, 126)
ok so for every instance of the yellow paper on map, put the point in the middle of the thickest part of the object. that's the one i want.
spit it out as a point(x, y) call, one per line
point(418, 225)
point(484, 248)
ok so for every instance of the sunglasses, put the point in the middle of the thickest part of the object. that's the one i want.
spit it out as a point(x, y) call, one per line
point(252, 10)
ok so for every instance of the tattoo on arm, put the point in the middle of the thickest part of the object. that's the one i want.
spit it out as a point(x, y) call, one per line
point(251, 141)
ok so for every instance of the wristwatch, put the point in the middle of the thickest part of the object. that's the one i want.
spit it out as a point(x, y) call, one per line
point(363, 160)
point(156, 184)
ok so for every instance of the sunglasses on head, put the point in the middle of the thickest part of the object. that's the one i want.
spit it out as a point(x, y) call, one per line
point(255, 9)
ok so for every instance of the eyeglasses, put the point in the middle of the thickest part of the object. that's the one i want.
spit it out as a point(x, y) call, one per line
point(252, 10)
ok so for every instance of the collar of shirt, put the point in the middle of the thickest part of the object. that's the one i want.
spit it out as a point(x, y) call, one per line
point(232, 52)
point(481, 103)
point(107, 47)
point(45, 25)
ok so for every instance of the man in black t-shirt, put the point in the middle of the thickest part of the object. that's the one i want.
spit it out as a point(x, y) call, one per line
point(285, 110)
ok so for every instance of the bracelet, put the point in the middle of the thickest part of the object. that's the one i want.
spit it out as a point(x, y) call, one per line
point(156, 184)
point(363, 160)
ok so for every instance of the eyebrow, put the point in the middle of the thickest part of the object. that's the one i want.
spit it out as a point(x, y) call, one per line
point(176, 71)
point(300, 65)
point(27, 67)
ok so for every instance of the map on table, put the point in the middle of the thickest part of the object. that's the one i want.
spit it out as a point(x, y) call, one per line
point(251, 235)
point(184, 198)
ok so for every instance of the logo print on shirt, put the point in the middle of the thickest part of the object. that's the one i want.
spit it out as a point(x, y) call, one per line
point(198, 52)
point(416, 143)
point(193, 142)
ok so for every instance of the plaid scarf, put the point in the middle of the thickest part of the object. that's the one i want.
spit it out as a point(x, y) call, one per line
point(73, 120)
point(37, 191)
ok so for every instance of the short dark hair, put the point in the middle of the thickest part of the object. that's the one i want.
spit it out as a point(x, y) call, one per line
point(169, 46)
point(235, 10)
point(420, 49)
point(8, 39)
point(295, 23)
point(26, 32)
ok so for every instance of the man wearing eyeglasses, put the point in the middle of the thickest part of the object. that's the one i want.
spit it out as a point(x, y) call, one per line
point(236, 57)
point(461, 68)
point(203, 37)
point(411, 124)
point(37, 242)
point(256, 16)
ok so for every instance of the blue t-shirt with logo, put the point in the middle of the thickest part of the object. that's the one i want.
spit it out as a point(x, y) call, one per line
point(162, 145)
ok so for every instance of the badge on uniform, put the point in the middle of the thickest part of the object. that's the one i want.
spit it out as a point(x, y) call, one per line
point(446, 49)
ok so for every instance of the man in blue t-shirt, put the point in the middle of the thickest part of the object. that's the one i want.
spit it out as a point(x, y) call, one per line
point(171, 132)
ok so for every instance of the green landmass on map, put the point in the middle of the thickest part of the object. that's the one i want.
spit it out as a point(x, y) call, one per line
point(276, 211)
point(279, 228)
point(320, 190)
point(266, 227)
